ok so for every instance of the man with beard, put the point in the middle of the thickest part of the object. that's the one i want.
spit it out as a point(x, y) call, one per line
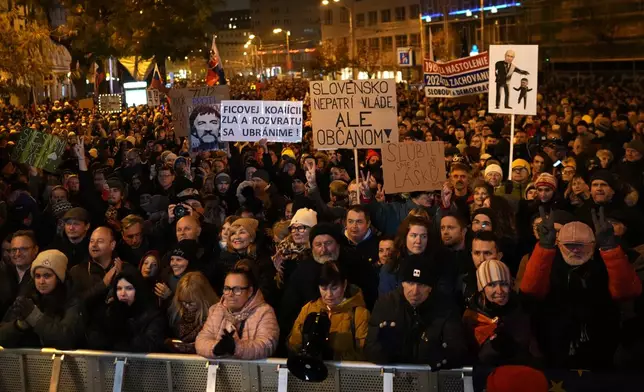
point(74, 241)
point(205, 122)
point(116, 210)
point(459, 177)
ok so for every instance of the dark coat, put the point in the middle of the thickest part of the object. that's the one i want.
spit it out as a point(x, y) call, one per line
point(262, 268)
point(76, 253)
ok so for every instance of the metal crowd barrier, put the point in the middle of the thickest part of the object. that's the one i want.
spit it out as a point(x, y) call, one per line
point(28, 370)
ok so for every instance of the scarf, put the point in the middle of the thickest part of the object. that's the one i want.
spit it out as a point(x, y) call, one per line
point(189, 326)
point(286, 250)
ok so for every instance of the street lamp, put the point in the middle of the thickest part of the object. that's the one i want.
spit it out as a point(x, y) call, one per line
point(288, 47)
point(259, 61)
point(352, 37)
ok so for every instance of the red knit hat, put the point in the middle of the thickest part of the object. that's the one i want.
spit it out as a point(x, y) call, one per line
point(512, 378)
point(546, 179)
point(372, 153)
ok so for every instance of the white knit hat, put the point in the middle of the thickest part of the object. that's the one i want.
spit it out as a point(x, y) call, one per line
point(491, 271)
point(493, 168)
point(306, 217)
point(53, 259)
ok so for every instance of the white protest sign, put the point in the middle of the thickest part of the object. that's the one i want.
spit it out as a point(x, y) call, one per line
point(513, 79)
point(153, 97)
point(110, 103)
point(250, 121)
point(354, 113)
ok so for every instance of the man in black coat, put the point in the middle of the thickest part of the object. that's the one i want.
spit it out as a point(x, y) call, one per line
point(504, 71)
point(74, 242)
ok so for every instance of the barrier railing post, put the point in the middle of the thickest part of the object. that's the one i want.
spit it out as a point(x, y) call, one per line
point(282, 379)
point(468, 383)
point(57, 366)
point(387, 380)
point(119, 374)
point(211, 383)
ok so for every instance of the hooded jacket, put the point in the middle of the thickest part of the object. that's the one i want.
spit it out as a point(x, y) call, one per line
point(349, 326)
point(256, 325)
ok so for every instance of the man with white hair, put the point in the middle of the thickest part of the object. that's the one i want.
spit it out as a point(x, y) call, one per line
point(504, 71)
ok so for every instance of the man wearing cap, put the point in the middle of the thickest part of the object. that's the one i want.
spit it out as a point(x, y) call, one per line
point(415, 325)
point(274, 203)
point(577, 280)
point(228, 199)
point(74, 241)
point(514, 189)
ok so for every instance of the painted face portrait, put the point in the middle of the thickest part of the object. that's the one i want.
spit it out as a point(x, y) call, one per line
point(205, 122)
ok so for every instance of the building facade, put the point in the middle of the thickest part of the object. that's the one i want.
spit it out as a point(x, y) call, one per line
point(233, 29)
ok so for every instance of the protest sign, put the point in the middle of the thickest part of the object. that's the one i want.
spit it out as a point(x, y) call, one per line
point(514, 70)
point(456, 78)
point(354, 113)
point(405, 57)
point(39, 149)
point(276, 121)
point(410, 167)
point(183, 102)
point(110, 103)
point(153, 97)
point(86, 103)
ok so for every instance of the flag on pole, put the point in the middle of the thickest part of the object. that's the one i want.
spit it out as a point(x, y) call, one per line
point(157, 81)
point(99, 77)
point(215, 67)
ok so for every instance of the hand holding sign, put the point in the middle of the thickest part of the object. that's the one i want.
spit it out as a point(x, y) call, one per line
point(410, 167)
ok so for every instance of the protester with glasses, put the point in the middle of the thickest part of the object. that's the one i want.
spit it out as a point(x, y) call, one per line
point(294, 247)
point(242, 325)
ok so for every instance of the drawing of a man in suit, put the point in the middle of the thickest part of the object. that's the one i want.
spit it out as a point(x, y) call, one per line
point(504, 71)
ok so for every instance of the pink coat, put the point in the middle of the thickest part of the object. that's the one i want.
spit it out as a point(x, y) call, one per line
point(260, 333)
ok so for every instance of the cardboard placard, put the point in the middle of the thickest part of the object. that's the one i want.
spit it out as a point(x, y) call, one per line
point(457, 78)
point(182, 103)
point(110, 103)
point(250, 121)
point(410, 167)
point(513, 79)
point(86, 103)
point(354, 113)
point(39, 149)
point(153, 97)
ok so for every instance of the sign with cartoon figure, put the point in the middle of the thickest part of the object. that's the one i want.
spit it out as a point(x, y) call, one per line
point(513, 79)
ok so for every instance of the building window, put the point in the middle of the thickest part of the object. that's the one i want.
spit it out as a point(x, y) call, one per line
point(373, 18)
point(374, 44)
point(385, 16)
point(401, 40)
point(275, 10)
point(360, 20)
point(414, 11)
point(327, 18)
point(387, 44)
point(414, 39)
point(361, 43)
point(400, 14)
point(344, 15)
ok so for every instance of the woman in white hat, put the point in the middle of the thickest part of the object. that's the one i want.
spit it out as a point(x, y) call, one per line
point(44, 316)
point(293, 247)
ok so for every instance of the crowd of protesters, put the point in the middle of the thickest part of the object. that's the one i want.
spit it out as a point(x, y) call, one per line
point(137, 246)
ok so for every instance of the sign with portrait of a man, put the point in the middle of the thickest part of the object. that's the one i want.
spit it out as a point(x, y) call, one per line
point(205, 125)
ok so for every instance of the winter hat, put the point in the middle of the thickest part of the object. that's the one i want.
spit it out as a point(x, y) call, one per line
point(306, 217)
point(546, 179)
point(263, 175)
point(170, 158)
point(77, 213)
point(325, 228)
point(493, 168)
point(372, 153)
point(60, 208)
point(93, 153)
point(419, 269)
point(53, 259)
point(289, 153)
point(637, 145)
point(492, 271)
point(576, 233)
point(131, 139)
point(521, 163)
point(116, 183)
point(249, 224)
point(527, 189)
point(485, 156)
point(586, 118)
point(186, 249)
point(604, 175)
point(222, 178)
point(511, 378)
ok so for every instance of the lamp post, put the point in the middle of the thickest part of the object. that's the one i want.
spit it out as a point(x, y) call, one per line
point(288, 48)
point(352, 37)
point(260, 59)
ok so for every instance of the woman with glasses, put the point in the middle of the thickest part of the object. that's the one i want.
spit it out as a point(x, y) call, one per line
point(242, 325)
point(295, 246)
point(192, 299)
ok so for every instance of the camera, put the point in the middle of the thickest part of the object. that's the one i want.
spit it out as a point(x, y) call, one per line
point(180, 211)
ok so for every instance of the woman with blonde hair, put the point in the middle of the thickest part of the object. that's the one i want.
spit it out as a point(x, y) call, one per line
point(189, 311)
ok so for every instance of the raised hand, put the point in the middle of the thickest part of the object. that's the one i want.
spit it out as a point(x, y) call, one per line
point(311, 178)
point(546, 230)
point(364, 184)
point(446, 194)
point(380, 195)
point(604, 231)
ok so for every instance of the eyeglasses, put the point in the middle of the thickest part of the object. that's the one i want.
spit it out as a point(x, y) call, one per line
point(23, 249)
point(298, 229)
point(237, 290)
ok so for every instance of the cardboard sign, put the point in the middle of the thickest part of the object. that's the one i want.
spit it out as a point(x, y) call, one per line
point(86, 103)
point(183, 102)
point(410, 167)
point(153, 97)
point(354, 113)
point(39, 149)
point(458, 78)
point(110, 103)
point(276, 121)
point(513, 79)
point(405, 57)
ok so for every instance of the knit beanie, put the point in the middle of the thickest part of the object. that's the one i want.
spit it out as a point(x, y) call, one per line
point(606, 176)
point(53, 259)
point(306, 217)
point(60, 208)
point(249, 224)
point(492, 271)
point(186, 249)
point(418, 269)
point(547, 180)
point(493, 168)
point(263, 175)
point(222, 178)
point(325, 228)
point(521, 163)
point(511, 378)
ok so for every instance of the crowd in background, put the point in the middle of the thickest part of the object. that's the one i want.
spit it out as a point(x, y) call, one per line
point(137, 245)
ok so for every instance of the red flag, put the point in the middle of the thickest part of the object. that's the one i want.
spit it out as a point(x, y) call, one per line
point(215, 68)
point(99, 77)
point(157, 82)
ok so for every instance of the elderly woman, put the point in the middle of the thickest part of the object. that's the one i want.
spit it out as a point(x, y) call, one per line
point(46, 316)
point(295, 246)
point(242, 325)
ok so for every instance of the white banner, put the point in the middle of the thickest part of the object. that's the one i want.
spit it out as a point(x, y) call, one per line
point(110, 103)
point(250, 121)
point(513, 79)
point(354, 113)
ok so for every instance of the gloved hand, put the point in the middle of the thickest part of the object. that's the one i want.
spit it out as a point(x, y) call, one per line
point(546, 230)
point(226, 345)
point(604, 232)
point(389, 336)
point(24, 307)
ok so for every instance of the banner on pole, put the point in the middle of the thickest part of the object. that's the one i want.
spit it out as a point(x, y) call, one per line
point(39, 149)
point(110, 103)
point(86, 103)
point(250, 121)
point(457, 78)
point(410, 167)
point(183, 102)
point(513, 82)
point(354, 113)
point(153, 97)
